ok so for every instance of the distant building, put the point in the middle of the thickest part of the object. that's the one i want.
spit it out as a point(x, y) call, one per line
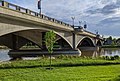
point(108, 41)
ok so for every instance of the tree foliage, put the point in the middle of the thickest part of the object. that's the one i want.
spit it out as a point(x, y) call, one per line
point(50, 38)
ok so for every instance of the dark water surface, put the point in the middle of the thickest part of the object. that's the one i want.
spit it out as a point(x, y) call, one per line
point(86, 53)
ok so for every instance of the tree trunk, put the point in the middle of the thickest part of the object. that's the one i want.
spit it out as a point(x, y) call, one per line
point(50, 61)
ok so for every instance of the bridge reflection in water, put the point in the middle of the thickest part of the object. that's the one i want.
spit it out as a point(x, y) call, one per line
point(84, 53)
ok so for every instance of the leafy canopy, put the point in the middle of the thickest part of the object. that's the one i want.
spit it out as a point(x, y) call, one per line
point(50, 38)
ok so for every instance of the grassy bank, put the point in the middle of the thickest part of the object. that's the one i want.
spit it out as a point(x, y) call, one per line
point(65, 69)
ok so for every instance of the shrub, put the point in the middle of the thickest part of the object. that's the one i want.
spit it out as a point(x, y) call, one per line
point(112, 58)
point(116, 57)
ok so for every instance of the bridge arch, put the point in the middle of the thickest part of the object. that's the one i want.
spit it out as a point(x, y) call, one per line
point(33, 33)
point(57, 33)
point(85, 41)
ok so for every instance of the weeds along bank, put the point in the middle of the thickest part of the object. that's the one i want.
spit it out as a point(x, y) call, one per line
point(62, 61)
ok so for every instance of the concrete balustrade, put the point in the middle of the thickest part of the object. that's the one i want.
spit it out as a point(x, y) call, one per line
point(32, 13)
point(5, 4)
point(18, 8)
point(27, 11)
point(11, 6)
point(22, 10)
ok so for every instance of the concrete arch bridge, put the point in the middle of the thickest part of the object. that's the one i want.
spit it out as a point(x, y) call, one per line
point(18, 26)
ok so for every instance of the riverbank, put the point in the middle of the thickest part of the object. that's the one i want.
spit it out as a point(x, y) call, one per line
point(65, 68)
point(110, 46)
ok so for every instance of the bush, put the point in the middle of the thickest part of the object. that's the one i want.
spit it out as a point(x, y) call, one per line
point(112, 58)
point(116, 57)
point(106, 57)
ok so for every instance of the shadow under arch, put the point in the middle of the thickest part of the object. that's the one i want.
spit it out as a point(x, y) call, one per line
point(85, 42)
point(65, 40)
point(62, 44)
point(8, 41)
point(33, 29)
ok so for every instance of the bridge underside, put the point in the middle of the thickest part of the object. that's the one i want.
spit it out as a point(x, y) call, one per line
point(86, 42)
point(19, 32)
point(15, 33)
point(16, 40)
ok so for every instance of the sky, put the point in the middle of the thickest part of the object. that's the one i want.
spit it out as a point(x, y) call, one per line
point(100, 15)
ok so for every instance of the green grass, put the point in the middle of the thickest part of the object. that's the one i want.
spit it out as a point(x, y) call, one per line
point(64, 69)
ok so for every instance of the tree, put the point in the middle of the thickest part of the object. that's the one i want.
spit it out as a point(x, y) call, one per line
point(110, 37)
point(50, 38)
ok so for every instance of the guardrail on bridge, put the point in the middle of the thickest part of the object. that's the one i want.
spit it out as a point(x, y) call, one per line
point(30, 12)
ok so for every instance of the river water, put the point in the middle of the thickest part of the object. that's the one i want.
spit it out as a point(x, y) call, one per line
point(91, 53)
point(4, 55)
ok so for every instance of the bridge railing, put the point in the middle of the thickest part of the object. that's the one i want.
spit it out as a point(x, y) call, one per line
point(80, 29)
point(32, 13)
point(97, 35)
point(89, 32)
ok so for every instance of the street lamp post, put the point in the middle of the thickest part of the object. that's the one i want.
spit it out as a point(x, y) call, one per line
point(80, 22)
point(85, 25)
point(73, 18)
point(39, 6)
point(96, 32)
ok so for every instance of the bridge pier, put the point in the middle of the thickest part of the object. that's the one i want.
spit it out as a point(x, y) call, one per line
point(43, 41)
point(74, 41)
point(15, 42)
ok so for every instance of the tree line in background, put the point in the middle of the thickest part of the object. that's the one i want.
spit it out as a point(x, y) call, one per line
point(112, 41)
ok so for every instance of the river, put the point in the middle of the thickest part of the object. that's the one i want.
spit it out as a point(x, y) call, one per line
point(96, 53)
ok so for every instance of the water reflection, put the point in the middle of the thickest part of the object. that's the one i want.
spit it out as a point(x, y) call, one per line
point(101, 52)
point(85, 53)
point(111, 52)
point(4, 55)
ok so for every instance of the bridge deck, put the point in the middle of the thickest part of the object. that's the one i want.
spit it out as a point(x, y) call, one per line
point(12, 11)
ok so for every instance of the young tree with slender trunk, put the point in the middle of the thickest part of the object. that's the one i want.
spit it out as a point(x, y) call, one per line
point(50, 38)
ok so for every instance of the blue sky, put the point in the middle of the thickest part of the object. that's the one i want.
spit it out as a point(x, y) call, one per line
point(100, 15)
